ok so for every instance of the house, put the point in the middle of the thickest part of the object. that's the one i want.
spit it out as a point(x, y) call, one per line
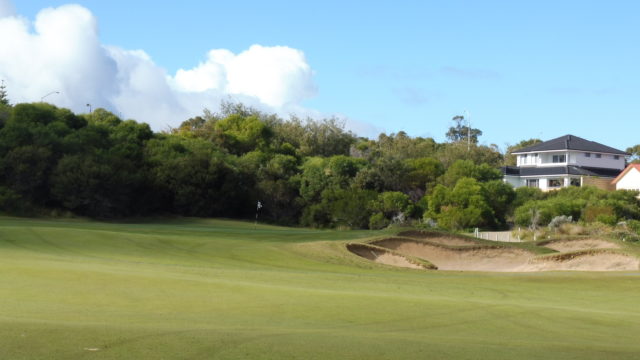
point(629, 178)
point(566, 161)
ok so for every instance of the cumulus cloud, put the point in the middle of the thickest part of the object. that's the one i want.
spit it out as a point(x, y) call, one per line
point(278, 75)
point(60, 51)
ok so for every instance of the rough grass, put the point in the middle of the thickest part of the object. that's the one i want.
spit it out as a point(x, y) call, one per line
point(194, 289)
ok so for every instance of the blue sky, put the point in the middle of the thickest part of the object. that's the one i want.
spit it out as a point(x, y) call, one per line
point(535, 69)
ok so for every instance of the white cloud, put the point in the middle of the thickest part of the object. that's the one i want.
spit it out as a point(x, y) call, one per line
point(277, 76)
point(61, 51)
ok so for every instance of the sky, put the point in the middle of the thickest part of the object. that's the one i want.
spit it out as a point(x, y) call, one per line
point(518, 70)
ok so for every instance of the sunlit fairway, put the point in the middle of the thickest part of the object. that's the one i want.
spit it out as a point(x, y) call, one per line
point(196, 289)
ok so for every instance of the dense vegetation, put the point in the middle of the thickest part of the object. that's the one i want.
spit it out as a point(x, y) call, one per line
point(312, 173)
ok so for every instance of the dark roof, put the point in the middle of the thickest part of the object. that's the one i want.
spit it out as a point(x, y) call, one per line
point(571, 142)
point(560, 170)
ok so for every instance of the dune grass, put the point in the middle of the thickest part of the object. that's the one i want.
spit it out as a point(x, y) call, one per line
point(201, 289)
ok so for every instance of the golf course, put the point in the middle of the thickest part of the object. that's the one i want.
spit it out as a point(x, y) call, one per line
point(221, 289)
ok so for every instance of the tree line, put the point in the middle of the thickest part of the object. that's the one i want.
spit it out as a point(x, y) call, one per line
point(304, 172)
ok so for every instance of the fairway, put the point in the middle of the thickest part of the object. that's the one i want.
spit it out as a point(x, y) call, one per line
point(216, 289)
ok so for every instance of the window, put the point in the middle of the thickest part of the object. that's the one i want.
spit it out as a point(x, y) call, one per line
point(587, 154)
point(616, 157)
point(532, 183)
point(575, 182)
point(553, 183)
point(598, 156)
point(559, 158)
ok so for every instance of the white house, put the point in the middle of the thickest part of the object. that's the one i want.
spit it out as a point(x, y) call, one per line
point(565, 161)
point(629, 178)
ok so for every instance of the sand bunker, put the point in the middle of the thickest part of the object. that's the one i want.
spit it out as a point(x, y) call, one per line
point(437, 238)
point(579, 244)
point(382, 256)
point(469, 259)
point(497, 258)
point(587, 261)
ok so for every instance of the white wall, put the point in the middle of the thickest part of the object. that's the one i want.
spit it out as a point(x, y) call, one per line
point(530, 159)
point(546, 159)
point(573, 158)
point(605, 161)
point(630, 181)
point(543, 182)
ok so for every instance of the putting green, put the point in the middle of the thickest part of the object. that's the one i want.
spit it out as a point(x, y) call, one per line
point(194, 289)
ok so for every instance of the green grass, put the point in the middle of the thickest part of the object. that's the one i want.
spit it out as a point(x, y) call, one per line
point(196, 289)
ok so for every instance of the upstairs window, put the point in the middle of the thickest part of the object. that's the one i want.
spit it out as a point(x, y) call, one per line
point(559, 158)
point(598, 156)
point(587, 154)
point(616, 157)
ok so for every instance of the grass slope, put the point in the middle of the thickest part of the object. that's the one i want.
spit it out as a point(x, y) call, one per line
point(195, 289)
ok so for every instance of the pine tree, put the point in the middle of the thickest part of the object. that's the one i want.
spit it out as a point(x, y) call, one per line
point(3, 94)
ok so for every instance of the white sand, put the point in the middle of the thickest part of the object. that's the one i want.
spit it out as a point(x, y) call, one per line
point(580, 244)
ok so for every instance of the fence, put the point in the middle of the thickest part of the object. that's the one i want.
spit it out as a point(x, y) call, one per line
point(504, 236)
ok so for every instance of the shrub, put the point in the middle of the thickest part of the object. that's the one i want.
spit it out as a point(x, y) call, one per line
point(607, 219)
point(634, 225)
point(557, 221)
point(572, 229)
point(378, 221)
point(592, 213)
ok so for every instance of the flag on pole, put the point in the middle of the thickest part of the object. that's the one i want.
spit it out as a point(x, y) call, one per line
point(258, 206)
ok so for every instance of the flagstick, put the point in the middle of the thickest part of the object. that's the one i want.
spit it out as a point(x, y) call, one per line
point(258, 206)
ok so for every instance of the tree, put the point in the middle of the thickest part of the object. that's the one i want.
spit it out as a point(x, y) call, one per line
point(499, 196)
point(341, 207)
point(448, 153)
point(635, 153)
point(3, 94)
point(277, 187)
point(463, 206)
point(461, 132)
point(466, 168)
point(193, 177)
point(391, 204)
point(422, 175)
point(239, 134)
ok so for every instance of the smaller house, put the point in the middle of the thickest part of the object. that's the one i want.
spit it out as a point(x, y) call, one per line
point(629, 178)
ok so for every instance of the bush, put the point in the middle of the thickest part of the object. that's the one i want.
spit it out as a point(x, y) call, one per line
point(634, 225)
point(610, 220)
point(548, 209)
point(557, 221)
point(378, 221)
point(572, 229)
point(592, 213)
